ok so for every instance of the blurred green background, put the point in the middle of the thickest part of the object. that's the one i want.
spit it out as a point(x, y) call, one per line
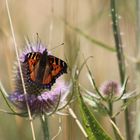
point(92, 17)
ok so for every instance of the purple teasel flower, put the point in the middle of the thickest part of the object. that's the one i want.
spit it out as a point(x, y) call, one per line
point(39, 98)
point(111, 89)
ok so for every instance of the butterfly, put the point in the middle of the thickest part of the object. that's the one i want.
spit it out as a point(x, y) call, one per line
point(44, 69)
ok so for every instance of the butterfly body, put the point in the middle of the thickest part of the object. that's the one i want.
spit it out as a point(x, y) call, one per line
point(44, 69)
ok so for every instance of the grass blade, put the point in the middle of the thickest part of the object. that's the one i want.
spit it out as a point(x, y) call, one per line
point(91, 39)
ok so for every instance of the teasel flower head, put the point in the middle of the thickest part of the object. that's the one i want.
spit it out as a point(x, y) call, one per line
point(45, 102)
point(32, 47)
point(40, 99)
point(110, 89)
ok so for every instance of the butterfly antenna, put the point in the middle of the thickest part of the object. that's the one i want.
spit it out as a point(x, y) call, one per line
point(57, 46)
point(38, 40)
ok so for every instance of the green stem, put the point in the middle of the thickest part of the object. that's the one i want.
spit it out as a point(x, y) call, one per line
point(120, 57)
point(137, 76)
point(110, 105)
point(44, 122)
point(138, 29)
point(118, 41)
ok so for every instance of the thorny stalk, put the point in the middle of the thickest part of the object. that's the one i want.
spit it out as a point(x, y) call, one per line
point(44, 122)
point(137, 66)
point(120, 57)
point(117, 136)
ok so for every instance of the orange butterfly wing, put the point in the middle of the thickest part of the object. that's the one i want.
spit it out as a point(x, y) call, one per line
point(33, 60)
point(53, 68)
point(58, 67)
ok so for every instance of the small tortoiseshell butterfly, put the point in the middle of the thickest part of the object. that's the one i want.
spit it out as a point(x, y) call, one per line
point(44, 69)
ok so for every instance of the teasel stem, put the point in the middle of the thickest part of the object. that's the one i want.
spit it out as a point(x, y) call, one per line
point(118, 41)
point(44, 122)
point(110, 106)
point(137, 68)
point(120, 57)
point(20, 70)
